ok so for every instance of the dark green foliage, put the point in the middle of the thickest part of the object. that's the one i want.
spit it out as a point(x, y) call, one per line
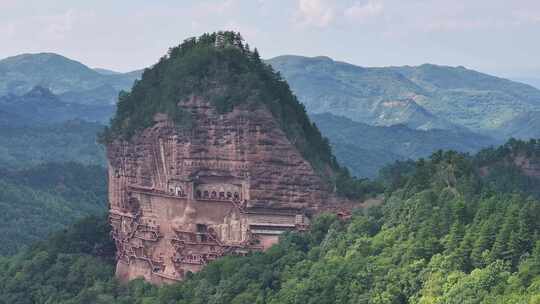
point(502, 173)
point(443, 235)
point(513, 147)
point(46, 198)
point(27, 146)
point(227, 76)
point(220, 68)
point(356, 188)
point(56, 270)
point(395, 175)
point(366, 149)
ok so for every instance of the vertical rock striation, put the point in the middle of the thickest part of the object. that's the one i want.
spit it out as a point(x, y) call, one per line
point(229, 184)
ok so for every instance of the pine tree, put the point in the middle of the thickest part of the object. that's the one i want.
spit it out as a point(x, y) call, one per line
point(256, 57)
point(484, 241)
point(505, 243)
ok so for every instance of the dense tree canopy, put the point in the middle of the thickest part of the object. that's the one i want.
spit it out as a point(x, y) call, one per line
point(221, 68)
point(45, 198)
point(445, 234)
point(27, 146)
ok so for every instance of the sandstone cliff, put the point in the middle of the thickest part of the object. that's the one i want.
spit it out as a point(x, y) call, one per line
point(231, 183)
point(211, 154)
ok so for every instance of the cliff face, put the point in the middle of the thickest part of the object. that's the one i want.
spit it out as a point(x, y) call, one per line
point(529, 166)
point(230, 184)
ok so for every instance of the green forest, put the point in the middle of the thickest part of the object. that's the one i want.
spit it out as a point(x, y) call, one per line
point(45, 198)
point(453, 228)
point(27, 146)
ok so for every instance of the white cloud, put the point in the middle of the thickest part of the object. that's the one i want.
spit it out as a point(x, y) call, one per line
point(316, 13)
point(364, 11)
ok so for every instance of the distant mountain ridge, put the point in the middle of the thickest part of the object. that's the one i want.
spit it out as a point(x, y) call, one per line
point(525, 125)
point(41, 106)
point(422, 97)
point(444, 97)
point(359, 93)
point(379, 115)
point(533, 81)
point(366, 149)
point(470, 98)
point(71, 80)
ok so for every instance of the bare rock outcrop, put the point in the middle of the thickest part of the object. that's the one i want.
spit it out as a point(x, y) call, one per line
point(230, 184)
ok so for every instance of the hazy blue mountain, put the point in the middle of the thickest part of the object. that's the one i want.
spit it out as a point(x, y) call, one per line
point(106, 71)
point(41, 106)
point(375, 96)
point(410, 99)
point(94, 96)
point(409, 113)
point(365, 149)
point(524, 126)
point(533, 81)
point(444, 97)
point(25, 146)
point(10, 120)
point(133, 75)
point(470, 98)
point(71, 80)
point(38, 127)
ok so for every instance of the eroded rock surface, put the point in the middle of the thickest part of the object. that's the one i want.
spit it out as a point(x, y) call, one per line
point(230, 184)
point(528, 165)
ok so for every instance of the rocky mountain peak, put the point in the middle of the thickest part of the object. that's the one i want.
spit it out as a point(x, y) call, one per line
point(210, 154)
point(40, 93)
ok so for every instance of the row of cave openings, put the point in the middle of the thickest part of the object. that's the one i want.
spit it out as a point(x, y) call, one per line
point(208, 195)
point(213, 195)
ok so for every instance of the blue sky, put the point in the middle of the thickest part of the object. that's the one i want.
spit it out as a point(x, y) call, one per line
point(495, 36)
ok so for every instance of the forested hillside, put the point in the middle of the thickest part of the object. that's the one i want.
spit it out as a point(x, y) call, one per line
point(422, 97)
point(71, 80)
point(41, 106)
point(394, 101)
point(449, 231)
point(365, 149)
point(26, 146)
point(524, 125)
point(470, 98)
point(51, 166)
point(45, 198)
